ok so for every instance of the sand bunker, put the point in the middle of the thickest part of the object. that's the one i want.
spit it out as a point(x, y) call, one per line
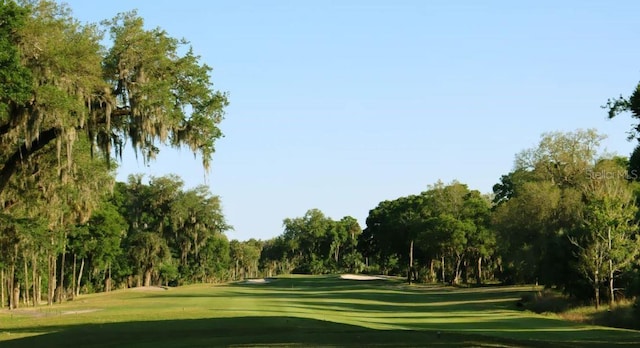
point(360, 277)
point(149, 288)
point(257, 281)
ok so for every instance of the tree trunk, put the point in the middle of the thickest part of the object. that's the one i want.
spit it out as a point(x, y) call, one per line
point(73, 277)
point(147, 278)
point(26, 150)
point(456, 279)
point(11, 286)
point(596, 288)
point(236, 271)
point(26, 282)
point(108, 282)
point(444, 280)
point(2, 299)
point(465, 271)
point(432, 274)
point(79, 281)
point(611, 288)
point(611, 294)
point(62, 262)
point(39, 294)
point(52, 279)
point(34, 279)
point(16, 294)
point(410, 270)
point(479, 274)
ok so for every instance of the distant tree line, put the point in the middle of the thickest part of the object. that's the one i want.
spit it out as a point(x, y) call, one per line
point(567, 217)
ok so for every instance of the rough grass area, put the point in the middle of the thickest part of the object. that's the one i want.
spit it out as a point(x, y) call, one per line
point(301, 311)
point(623, 315)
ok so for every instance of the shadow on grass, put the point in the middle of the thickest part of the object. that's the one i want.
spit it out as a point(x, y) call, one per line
point(255, 331)
point(463, 318)
point(278, 331)
point(404, 317)
point(331, 287)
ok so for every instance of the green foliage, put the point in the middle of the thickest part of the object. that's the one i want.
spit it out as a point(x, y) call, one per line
point(316, 244)
point(571, 210)
point(65, 86)
point(526, 227)
point(184, 225)
point(546, 301)
point(617, 106)
point(148, 251)
point(66, 100)
point(15, 78)
point(353, 262)
point(215, 259)
point(169, 273)
point(158, 86)
point(444, 222)
point(609, 240)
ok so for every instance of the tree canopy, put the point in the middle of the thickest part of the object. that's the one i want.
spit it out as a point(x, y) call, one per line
point(147, 89)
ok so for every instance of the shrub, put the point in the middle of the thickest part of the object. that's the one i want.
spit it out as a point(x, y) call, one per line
point(544, 301)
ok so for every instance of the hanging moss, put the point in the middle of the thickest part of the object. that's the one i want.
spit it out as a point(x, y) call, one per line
point(139, 91)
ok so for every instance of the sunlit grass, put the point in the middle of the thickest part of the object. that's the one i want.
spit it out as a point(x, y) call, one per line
point(306, 311)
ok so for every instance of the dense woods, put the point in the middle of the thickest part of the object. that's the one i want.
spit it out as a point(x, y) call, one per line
point(566, 216)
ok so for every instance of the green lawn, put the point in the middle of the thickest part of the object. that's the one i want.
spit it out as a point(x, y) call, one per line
point(300, 311)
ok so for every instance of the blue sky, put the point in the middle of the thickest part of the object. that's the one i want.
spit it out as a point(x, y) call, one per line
point(338, 105)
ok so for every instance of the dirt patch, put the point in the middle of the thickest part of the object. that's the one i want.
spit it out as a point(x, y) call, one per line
point(47, 312)
point(32, 312)
point(360, 277)
point(81, 311)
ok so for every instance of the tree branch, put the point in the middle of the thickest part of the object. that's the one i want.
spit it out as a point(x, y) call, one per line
point(5, 128)
point(11, 164)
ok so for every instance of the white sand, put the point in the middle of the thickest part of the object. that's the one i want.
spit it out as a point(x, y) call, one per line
point(149, 288)
point(257, 281)
point(360, 277)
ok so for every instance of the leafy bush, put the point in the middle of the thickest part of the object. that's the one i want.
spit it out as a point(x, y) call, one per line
point(353, 262)
point(317, 266)
point(545, 301)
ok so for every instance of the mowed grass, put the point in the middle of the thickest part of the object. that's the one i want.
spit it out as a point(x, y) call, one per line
point(301, 311)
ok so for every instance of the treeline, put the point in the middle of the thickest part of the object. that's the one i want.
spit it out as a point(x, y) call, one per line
point(140, 234)
point(73, 95)
point(567, 217)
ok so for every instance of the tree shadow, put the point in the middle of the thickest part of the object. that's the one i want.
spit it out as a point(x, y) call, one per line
point(491, 318)
point(278, 331)
point(374, 290)
point(361, 315)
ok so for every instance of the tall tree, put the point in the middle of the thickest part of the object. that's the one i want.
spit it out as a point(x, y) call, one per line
point(608, 241)
point(65, 85)
point(572, 202)
point(631, 104)
point(149, 251)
